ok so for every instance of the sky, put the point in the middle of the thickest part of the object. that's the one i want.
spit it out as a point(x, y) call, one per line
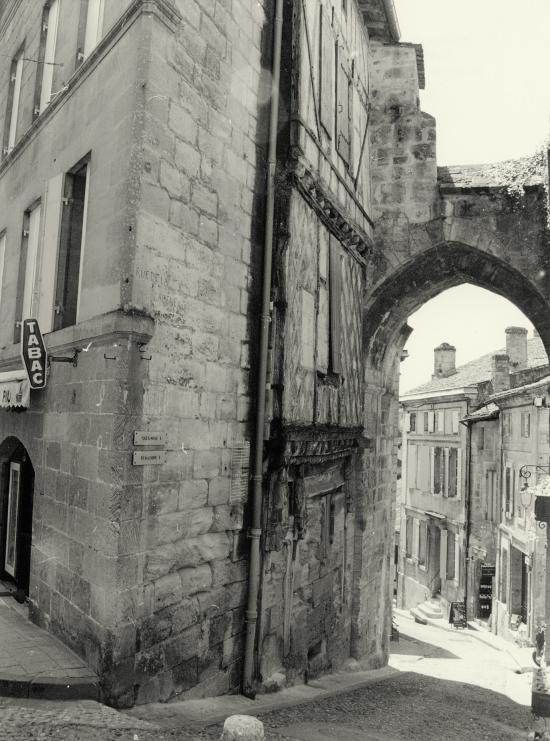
point(488, 86)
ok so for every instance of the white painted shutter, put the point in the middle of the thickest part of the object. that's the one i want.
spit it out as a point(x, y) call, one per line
point(48, 262)
point(49, 55)
point(431, 421)
point(441, 421)
point(459, 472)
point(29, 301)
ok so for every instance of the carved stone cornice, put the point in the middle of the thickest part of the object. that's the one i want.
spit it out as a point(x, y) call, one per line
point(321, 200)
point(318, 445)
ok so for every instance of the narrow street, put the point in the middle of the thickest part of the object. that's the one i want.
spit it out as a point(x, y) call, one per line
point(448, 685)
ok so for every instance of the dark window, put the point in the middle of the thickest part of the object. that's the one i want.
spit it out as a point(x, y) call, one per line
point(508, 489)
point(450, 555)
point(426, 422)
point(482, 438)
point(412, 422)
point(453, 472)
point(525, 424)
point(439, 471)
point(409, 537)
point(70, 247)
point(422, 542)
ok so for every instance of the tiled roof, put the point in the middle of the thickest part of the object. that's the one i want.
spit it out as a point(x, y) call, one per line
point(522, 171)
point(479, 370)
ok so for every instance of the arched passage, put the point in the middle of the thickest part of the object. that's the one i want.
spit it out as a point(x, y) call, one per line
point(16, 508)
point(386, 309)
point(433, 271)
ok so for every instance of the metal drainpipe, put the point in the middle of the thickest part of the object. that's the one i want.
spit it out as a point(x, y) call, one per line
point(257, 478)
point(393, 23)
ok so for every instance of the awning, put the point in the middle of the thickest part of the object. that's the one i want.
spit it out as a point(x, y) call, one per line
point(15, 391)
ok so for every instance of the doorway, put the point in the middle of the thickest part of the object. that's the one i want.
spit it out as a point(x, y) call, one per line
point(17, 488)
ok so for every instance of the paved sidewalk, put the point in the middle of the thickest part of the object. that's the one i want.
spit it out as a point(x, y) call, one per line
point(34, 663)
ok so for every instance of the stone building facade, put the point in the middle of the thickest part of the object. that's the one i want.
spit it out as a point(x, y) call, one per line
point(452, 479)
point(132, 203)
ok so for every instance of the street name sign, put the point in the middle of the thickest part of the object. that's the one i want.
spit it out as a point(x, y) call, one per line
point(144, 437)
point(149, 457)
point(33, 353)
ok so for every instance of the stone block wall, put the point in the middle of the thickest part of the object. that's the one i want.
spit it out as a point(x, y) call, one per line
point(195, 272)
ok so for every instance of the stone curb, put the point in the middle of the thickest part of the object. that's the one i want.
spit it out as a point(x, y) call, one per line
point(42, 687)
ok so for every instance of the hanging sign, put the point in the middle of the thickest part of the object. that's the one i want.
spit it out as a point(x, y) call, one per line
point(33, 352)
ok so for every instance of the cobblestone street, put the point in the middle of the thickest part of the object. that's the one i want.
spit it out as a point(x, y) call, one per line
point(450, 685)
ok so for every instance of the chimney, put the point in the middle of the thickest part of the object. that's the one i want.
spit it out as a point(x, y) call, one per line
point(516, 347)
point(500, 373)
point(444, 360)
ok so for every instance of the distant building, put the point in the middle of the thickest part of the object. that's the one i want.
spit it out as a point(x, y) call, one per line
point(437, 501)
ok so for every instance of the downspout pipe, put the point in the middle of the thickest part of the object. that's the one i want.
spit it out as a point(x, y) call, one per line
point(468, 504)
point(257, 476)
point(393, 23)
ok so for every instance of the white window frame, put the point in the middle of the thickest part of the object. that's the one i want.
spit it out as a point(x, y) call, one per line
point(49, 54)
point(94, 26)
point(33, 242)
point(14, 113)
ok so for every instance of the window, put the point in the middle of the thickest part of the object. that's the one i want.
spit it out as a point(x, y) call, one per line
point(71, 246)
point(46, 56)
point(508, 489)
point(450, 555)
point(412, 422)
point(422, 542)
point(26, 303)
point(93, 26)
point(441, 421)
point(14, 95)
point(453, 472)
point(426, 422)
point(525, 424)
point(507, 423)
point(409, 537)
point(439, 471)
point(431, 421)
point(481, 438)
point(503, 585)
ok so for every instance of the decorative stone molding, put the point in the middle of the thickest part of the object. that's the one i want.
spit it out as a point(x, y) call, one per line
point(323, 203)
point(318, 445)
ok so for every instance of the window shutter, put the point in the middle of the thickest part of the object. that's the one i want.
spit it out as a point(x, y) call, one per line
point(335, 288)
point(459, 472)
point(441, 421)
point(416, 538)
point(443, 554)
point(432, 470)
point(326, 68)
point(52, 218)
point(431, 421)
point(343, 108)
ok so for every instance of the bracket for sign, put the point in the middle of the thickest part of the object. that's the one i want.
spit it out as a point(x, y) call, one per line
point(73, 359)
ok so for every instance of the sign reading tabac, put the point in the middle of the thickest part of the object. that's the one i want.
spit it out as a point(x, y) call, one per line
point(33, 352)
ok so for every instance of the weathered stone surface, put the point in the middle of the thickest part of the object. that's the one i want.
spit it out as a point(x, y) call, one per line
point(242, 728)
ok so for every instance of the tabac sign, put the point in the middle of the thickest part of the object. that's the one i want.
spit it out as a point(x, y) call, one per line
point(33, 353)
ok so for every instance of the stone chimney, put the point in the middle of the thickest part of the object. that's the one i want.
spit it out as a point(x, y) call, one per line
point(500, 373)
point(516, 347)
point(444, 360)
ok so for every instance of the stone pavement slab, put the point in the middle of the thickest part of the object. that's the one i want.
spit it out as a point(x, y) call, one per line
point(33, 663)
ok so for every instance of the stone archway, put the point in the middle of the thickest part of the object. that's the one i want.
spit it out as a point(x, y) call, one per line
point(481, 235)
point(16, 512)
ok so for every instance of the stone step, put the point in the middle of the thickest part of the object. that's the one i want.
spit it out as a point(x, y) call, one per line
point(429, 610)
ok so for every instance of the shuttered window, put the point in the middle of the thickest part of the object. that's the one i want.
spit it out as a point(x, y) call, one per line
point(453, 472)
point(335, 289)
point(422, 542)
point(343, 108)
point(46, 56)
point(73, 230)
point(409, 537)
point(326, 67)
point(26, 285)
point(14, 95)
